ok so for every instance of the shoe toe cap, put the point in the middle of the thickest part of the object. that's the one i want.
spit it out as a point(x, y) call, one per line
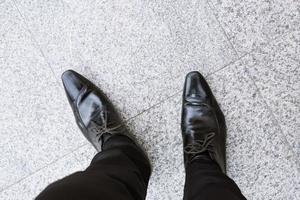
point(193, 89)
point(73, 83)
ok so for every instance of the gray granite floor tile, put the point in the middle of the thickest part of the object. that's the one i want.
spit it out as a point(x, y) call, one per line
point(135, 55)
point(31, 186)
point(195, 31)
point(36, 122)
point(85, 154)
point(138, 52)
point(158, 131)
point(258, 159)
point(276, 71)
point(251, 23)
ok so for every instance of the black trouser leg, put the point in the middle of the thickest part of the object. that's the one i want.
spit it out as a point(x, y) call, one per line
point(205, 181)
point(120, 171)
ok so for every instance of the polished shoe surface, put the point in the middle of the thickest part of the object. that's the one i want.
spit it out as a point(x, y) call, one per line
point(203, 123)
point(94, 113)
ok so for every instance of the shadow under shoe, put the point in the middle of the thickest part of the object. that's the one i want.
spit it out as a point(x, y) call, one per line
point(202, 122)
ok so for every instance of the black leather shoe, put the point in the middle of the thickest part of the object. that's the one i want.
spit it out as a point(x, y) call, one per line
point(203, 123)
point(94, 113)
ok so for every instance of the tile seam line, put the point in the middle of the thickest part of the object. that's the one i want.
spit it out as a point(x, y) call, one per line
point(34, 41)
point(256, 87)
point(268, 41)
point(220, 69)
point(23, 19)
point(213, 9)
point(40, 169)
point(180, 90)
point(72, 151)
point(290, 148)
point(157, 104)
point(126, 121)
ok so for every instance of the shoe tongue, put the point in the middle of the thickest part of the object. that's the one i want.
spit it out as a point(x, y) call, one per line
point(203, 155)
point(105, 137)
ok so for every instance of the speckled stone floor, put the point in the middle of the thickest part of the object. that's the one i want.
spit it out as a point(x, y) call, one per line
point(138, 52)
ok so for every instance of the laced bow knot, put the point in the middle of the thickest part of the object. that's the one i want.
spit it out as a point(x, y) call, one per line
point(199, 146)
point(95, 127)
point(100, 130)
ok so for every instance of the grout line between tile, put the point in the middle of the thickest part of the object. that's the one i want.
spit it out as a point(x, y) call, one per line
point(165, 99)
point(227, 65)
point(146, 110)
point(213, 9)
point(248, 73)
point(35, 43)
point(72, 151)
point(79, 161)
point(40, 169)
point(179, 91)
point(290, 148)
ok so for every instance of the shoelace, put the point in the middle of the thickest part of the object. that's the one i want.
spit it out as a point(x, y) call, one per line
point(200, 146)
point(99, 130)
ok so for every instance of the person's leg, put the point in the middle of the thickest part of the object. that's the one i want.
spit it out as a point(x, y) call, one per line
point(120, 171)
point(205, 180)
point(204, 134)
